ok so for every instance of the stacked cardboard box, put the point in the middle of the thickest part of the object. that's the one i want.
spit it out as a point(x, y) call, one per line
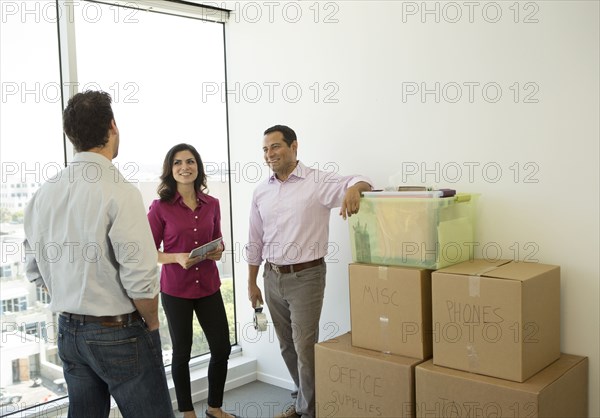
point(370, 371)
point(390, 309)
point(496, 345)
point(497, 318)
point(559, 390)
point(493, 327)
point(355, 382)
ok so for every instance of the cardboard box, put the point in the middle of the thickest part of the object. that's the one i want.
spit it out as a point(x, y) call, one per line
point(498, 318)
point(390, 309)
point(560, 390)
point(354, 382)
point(428, 233)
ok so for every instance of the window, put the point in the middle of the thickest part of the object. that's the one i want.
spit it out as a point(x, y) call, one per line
point(6, 271)
point(32, 328)
point(14, 305)
point(31, 150)
point(157, 103)
point(42, 295)
point(157, 79)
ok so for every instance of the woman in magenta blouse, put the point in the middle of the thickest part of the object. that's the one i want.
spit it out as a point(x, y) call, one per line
point(184, 218)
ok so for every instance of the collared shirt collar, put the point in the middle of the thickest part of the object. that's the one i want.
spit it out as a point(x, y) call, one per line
point(199, 196)
point(92, 157)
point(299, 172)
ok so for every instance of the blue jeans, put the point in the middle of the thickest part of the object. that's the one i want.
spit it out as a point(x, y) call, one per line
point(125, 362)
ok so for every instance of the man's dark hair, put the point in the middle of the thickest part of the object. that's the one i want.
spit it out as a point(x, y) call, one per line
point(288, 133)
point(168, 186)
point(87, 119)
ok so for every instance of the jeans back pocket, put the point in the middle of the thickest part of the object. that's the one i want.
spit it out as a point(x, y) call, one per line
point(118, 359)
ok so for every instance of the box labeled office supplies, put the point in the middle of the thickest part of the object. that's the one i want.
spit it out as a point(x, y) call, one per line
point(498, 318)
point(390, 309)
point(354, 382)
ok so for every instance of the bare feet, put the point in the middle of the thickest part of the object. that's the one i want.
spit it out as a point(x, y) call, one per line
point(190, 414)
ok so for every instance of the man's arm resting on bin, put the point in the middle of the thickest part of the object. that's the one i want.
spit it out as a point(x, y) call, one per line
point(351, 202)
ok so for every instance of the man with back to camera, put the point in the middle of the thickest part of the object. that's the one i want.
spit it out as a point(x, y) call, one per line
point(89, 243)
point(289, 229)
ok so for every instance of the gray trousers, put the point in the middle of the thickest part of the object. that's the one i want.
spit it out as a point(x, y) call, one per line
point(295, 301)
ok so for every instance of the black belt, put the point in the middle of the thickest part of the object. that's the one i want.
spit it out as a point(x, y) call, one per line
point(115, 320)
point(295, 268)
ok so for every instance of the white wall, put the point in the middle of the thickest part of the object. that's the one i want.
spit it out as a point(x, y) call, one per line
point(543, 206)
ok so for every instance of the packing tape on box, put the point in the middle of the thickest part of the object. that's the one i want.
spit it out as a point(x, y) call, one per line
point(475, 281)
point(385, 334)
point(474, 286)
point(260, 319)
point(472, 358)
point(384, 320)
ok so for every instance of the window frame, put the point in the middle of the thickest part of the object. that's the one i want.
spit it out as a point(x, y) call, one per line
point(66, 41)
point(70, 82)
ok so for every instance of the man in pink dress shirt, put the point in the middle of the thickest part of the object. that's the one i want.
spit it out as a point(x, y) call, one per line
point(289, 230)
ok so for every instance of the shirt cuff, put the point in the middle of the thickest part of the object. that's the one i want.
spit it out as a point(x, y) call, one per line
point(358, 179)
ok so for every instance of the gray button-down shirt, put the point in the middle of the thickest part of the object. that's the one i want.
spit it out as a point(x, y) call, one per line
point(88, 239)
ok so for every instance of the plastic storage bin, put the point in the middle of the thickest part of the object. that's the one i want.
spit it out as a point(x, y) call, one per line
point(430, 233)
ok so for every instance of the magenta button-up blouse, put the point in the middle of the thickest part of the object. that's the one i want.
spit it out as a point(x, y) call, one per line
point(180, 230)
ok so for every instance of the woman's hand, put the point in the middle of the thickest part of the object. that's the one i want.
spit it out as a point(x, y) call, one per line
point(216, 255)
point(184, 260)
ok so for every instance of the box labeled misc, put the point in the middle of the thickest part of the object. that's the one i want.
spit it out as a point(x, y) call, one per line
point(355, 382)
point(430, 233)
point(390, 309)
point(498, 318)
point(559, 390)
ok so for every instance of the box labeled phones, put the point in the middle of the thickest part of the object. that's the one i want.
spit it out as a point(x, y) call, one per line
point(498, 318)
point(390, 309)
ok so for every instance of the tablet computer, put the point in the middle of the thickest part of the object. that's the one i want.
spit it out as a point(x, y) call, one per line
point(206, 248)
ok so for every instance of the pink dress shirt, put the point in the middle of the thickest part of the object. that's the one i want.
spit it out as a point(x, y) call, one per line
point(180, 230)
point(289, 221)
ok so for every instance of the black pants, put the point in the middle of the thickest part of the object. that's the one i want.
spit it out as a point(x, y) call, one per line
point(211, 315)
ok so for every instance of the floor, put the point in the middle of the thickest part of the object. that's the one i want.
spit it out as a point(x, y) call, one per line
point(254, 400)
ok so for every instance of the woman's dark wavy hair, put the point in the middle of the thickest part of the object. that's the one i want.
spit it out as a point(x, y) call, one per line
point(168, 186)
point(87, 119)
